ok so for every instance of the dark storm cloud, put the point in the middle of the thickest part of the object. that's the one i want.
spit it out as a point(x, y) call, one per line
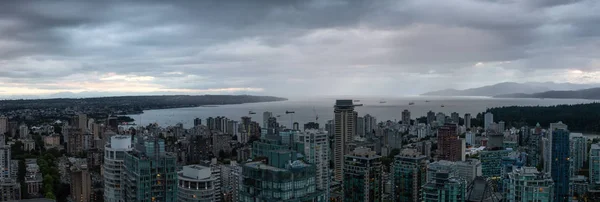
point(293, 46)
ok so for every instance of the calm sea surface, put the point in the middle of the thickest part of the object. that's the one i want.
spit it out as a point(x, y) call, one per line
point(307, 109)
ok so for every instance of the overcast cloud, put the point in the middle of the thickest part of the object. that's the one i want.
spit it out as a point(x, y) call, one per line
point(293, 47)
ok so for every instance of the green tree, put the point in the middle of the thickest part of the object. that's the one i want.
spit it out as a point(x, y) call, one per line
point(50, 195)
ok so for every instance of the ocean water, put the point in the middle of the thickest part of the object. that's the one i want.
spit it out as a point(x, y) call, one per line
point(306, 110)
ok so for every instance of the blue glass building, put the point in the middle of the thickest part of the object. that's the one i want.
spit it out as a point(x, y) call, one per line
point(560, 164)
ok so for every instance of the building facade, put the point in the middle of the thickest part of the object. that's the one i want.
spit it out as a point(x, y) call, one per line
point(527, 184)
point(150, 172)
point(345, 123)
point(560, 163)
point(362, 176)
point(443, 187)
point(409, 174)
point(315, 146)
point(197, 183)
point(112, 172)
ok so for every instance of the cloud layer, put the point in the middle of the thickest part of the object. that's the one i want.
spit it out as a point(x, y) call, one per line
point(293, 47)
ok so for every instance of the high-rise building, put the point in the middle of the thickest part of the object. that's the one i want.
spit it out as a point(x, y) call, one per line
point(441, 165)
point(534, 149)
point(444, 187)
point(112, 172)
point(5, 164)
point(409, 175)
point(3, 125)
point(470, 138)
point(197, 183)
point(363, 176)
point(491, 162)
point(406, 117)
point(24, 132)
point(81, 181)
point(594, 167)
point(450, 146)
point(266, 116)
point(560, 163)
point(290, 179)
point(488, 119)
point(578, 152)
point(468, 169)
point(345, 123)
point(150, 172)
point(501, 126)
point(455, 117)
point(360, 126)
point(197, 121)
point(440, 118)
point(467, 120)
point(370, 125)
point(430, 117)
point(231, 181)
point(315, 148)
point(80, 121)
point(527, 184)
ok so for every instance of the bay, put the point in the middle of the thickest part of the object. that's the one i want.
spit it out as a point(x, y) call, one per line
point(307, 109)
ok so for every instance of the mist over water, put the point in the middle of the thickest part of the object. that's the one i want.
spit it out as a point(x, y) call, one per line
point(307, 109)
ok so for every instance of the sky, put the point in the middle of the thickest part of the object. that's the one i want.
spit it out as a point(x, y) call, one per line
point(292, 47)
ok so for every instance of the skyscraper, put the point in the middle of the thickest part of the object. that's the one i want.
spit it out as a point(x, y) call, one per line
point(370, 124)
point(197, 121)
point(5, 158)
point(527, 184)
point(360, 126)
point(440, 118)
point(113, 167)
point(448, 143)
point(455, 117)
point(406, 117)
point(409, 175)
point(467, 121)
point(488, 119)
point(362, 176)
point(594, 169)
point(345, 124)
point(3, 125)
point(315, 147)
point(501, 126)
point(560, 163)
point(266, 116)
point(430, 117)
point(151, 172)
point(81, 181)
point(578, 151)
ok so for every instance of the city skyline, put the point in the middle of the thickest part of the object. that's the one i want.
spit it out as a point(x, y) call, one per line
point(304, 47)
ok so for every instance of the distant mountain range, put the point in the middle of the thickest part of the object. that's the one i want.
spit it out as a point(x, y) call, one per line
point(512, 88)
point(590, 93)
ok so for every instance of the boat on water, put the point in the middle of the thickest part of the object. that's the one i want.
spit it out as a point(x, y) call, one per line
point(382, 101)
point(426, 100)
point(411, 103)
point(356, 100)
point(251, 112)
point(442, 105)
